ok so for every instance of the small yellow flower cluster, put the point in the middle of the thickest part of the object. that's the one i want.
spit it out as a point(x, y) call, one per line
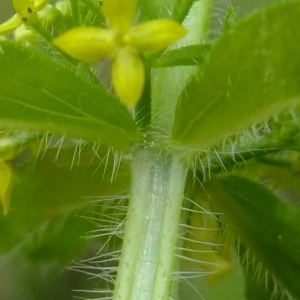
point(122, 42)
point(26, 12)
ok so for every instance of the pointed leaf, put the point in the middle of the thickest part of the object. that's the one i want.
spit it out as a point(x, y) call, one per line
point(58, 239)
point(40, 94)
point(270, 228)
point(170, 9)
point(253, 74)
point(262, 287)
point(49, 195)
point(185, 56)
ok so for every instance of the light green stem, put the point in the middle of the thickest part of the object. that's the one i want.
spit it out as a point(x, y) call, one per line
point(151, 229)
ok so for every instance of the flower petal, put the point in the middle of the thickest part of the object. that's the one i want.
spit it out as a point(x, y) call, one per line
point(22, 6)
point(128, 75)
point(40, 4)
point(10, 25)
point(155, 35)
point(6, 178)
point(119, 14)
point(88, 44)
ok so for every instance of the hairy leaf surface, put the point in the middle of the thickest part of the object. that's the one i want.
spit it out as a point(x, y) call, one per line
point(170, 9)
point(50, 199)
point(253, 74)
point(40, 94)
point(269, 227)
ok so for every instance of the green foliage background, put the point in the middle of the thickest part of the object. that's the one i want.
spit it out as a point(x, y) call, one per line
point(37, 261)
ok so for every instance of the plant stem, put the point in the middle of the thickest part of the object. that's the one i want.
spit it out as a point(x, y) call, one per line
point(143, 109)
point(42, 31)
point(151, 229)
point(164, 102)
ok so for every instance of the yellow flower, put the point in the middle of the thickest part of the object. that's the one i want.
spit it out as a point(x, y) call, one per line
point(26, 12)
point(122, 42)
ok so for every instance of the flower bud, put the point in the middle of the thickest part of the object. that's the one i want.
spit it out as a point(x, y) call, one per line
point(6, 179)
point(88, 44)
point(128, 75)
point(154, 35)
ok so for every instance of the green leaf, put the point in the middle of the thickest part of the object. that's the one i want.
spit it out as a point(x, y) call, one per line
point(253, 74)
point(181, 8)
point(40, 94)
point(96, 18)
point(258, 287)
point(185, 56)
point(270, 137)
point(30, 280)
point(50, 194)
point(59, 239)
point(170, 9)
point(270, 228)
point(231, 19)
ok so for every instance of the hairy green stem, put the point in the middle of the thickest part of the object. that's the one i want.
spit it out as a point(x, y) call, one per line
point(151, 230)
point(164, 102)
point(42, 31)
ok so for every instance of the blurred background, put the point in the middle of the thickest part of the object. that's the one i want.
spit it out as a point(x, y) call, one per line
point(242, 7)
